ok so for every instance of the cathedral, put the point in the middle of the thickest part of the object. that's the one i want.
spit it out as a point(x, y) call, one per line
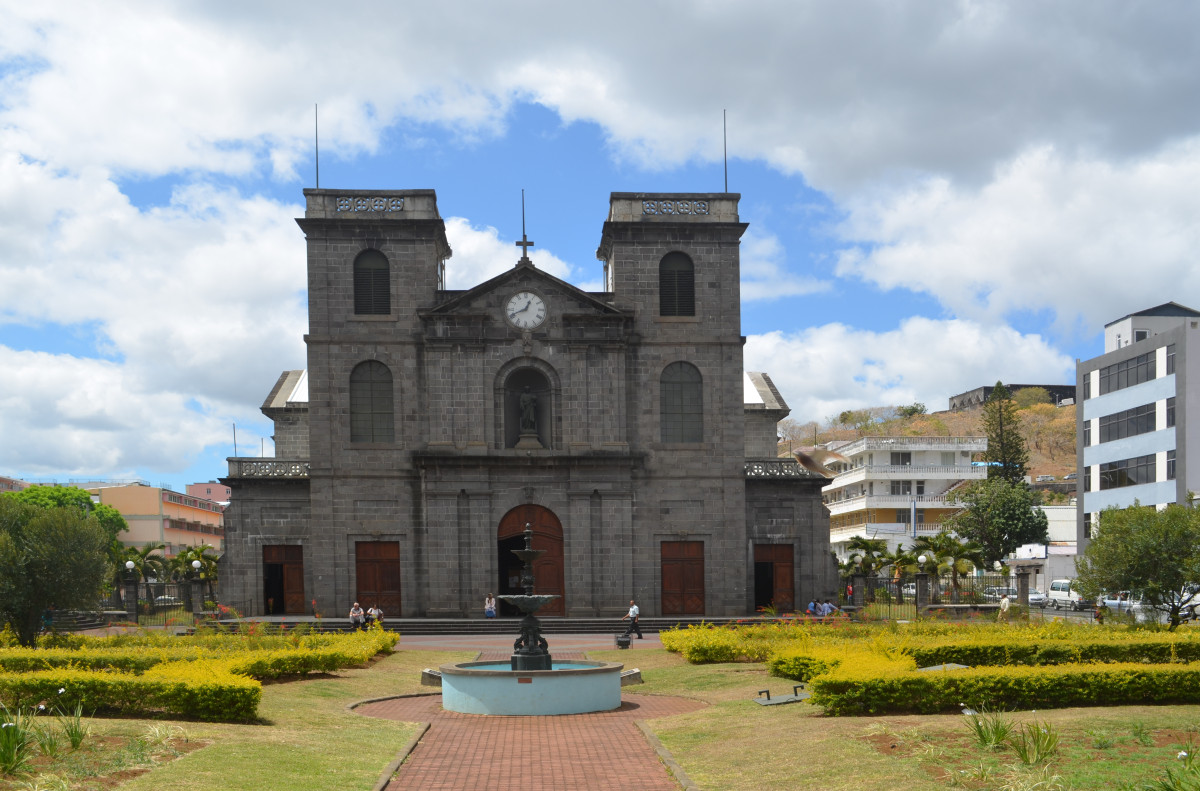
point(432, 425)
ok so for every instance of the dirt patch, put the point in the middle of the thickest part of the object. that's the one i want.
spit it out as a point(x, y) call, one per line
point(101, 763)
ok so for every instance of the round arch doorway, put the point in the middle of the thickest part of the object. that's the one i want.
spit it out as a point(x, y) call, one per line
point(547, 570)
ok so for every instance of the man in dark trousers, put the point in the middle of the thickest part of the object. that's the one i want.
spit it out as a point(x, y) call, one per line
point(632, 615)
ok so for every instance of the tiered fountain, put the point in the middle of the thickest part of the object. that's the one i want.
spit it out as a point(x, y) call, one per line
point(531, 682)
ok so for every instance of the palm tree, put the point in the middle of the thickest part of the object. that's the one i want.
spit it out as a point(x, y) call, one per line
point(147, 562)
point(949, 555)
point(182, 569)
point(901, 561)
point(866, 554)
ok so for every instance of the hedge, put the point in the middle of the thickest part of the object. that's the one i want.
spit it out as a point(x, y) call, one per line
point(847, 691)
point(1147, 648)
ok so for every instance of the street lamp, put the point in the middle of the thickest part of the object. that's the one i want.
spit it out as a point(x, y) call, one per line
point(195, 567)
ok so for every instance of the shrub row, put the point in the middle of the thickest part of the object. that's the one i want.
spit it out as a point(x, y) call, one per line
point(1151, 648)
point(849, 691)
point(191, 689)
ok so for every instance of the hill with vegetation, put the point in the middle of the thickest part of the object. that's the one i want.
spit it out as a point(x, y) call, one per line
point(1049, 430)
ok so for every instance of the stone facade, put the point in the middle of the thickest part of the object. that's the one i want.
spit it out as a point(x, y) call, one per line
point(629, 511)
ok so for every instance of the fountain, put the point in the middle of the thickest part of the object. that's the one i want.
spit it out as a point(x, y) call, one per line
point(531, 683)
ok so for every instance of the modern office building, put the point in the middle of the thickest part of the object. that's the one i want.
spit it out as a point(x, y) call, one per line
point(1132, 431)
point(162, 516)
point(897, 488)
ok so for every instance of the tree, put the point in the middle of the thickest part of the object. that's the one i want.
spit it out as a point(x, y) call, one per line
point(1152, 554)
point(181, 569)
point(49, 558)
point(999, 516)
point(1028, 396)
point(870, 551)
point(1006, 446)
point(147, 562)
point(950, 554)
point(914, 409)
point(110, 518)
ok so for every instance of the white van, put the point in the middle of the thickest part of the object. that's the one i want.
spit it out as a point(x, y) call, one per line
point(1063, 594)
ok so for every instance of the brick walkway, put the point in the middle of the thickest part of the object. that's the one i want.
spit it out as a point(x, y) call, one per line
point(585, 752)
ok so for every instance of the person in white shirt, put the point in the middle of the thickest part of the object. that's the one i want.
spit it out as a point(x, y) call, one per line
point(632, 615)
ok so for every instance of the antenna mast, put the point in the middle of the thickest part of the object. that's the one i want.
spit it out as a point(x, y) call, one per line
point(317, 145)
point(725, 148)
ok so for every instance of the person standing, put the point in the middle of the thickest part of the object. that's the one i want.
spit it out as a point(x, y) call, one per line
point(632, 615)
point(1004, 604)
point(489, 606)
point(357, 617)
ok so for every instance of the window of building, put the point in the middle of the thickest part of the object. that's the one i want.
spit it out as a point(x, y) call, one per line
point(1087, 526)
point(1171, 358)
point(920, 487)
point(947, 458)
point(1129, 423)
point(1087, 385)
point(901, 487)
point(371, 403)
point(372, 284)
point(904, 516)
point(1127, 373)
point(1140, 335)
point(901, 459)
point(676, 286)
point(1087, 433)
point(1127, 472)
point(1170, 465)
point(682, 404)
point(1171, 411)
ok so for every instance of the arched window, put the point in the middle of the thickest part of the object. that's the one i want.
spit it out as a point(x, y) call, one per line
point(676, 286)
point(682, 407)
point(372, 284)
point(371, 403)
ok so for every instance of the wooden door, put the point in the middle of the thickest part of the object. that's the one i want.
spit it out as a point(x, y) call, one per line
point(283, 572)
point(682, 577)
point(377, 567)
point(549, 569)
point(778, 558)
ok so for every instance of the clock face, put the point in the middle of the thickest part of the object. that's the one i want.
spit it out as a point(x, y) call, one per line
point(526, 310)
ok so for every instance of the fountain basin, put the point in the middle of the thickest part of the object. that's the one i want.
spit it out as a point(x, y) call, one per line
point(577, 687)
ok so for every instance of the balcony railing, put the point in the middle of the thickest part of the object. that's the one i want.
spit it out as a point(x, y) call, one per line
point(887, 472)
point(890, 501)
point(882, 530)
point(776, 468)
point(973, 444)
point(279, 469)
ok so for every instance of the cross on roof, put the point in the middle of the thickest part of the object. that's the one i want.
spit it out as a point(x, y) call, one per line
point(524, 244)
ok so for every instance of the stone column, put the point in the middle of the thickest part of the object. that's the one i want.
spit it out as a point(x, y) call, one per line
point(859, 581)
point(197, 596)
point(922, 599)
point(1023, 587)
point(131, 596)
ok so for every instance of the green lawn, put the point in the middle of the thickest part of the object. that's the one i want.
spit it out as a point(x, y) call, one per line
point(308, 741)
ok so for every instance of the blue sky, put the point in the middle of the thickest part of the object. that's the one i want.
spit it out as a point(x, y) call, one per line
point(939, 196)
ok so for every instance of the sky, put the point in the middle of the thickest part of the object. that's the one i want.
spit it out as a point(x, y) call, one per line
point(939, 195)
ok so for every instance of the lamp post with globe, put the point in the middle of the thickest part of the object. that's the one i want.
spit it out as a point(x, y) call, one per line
point(131, 590)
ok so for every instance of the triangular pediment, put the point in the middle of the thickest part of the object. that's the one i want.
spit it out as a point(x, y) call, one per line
point(490, 297)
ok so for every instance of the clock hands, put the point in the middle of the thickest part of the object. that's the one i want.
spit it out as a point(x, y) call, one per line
point(522, 310)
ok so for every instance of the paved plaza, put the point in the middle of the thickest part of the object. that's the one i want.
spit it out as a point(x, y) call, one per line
point(596, 752)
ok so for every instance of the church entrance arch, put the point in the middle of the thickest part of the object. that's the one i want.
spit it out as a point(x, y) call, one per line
point(548, 570)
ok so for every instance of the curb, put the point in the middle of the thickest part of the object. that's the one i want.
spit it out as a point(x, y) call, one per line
point(665, 756)
point(390, 770)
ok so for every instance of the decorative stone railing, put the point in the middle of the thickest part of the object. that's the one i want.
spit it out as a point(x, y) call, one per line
point(268, 468)
point(776, 468)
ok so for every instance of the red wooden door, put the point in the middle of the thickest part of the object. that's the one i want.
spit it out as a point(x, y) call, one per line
point(288, 559)
point(377, 565)
point(548, 570)
point(780, 556)
point(682, 577)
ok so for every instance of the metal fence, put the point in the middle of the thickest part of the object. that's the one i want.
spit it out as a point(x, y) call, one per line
point(897, 598)
point(158, 603)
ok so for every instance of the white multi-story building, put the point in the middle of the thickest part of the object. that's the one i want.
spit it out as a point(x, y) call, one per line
point(896, 487)
point(1132, 431)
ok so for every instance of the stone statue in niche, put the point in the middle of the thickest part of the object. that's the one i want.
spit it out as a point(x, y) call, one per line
point(529, 405)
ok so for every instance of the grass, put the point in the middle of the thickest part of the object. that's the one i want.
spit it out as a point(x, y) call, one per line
point(308, 741)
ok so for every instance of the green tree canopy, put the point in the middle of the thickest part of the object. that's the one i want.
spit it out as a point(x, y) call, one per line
point(999, 516)
point(1153, 554)
point(871, 551)
point(912, 410)
point(946, 553)
point(49, 558)
point(73, 497)
point(1006, 446)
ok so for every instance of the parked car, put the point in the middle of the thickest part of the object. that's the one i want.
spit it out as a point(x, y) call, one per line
point(1044, 478)
point(1070, 476)
point(997, 592)
point(909, 589)
point(1063, 594)
point(1036, 598)
point(1121, 601)
point(166, 601)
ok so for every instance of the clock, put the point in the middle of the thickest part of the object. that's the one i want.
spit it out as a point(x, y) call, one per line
point(525, 310)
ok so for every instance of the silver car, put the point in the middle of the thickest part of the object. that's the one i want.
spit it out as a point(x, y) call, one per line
point(1036, 598)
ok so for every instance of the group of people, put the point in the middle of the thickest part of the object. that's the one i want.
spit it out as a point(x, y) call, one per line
point(821, 609)
point(360, 619)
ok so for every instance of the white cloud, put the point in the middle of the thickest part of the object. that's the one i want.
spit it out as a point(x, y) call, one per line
point(1085, 239)
point(480, 254)
point(847, 95)
point(765, 271)
point(824, 370)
